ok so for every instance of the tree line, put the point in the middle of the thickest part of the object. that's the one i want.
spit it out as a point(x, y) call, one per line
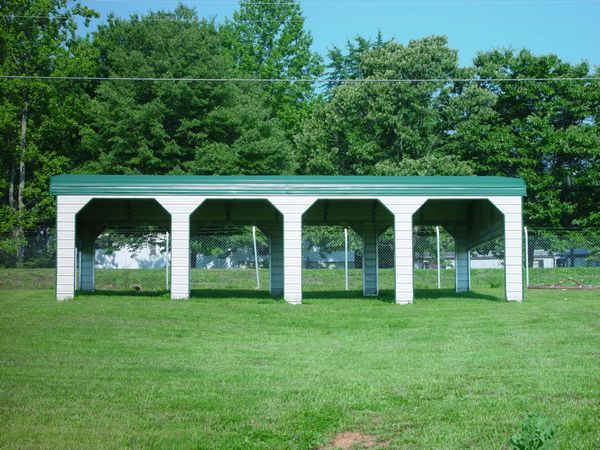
point(546, 132)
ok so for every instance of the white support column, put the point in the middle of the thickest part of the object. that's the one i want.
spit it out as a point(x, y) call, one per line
point(180, 256)
point(67, 208)
point(292, 251)
point(292, 209)
point(370, 260)
point(403, 209)
point(511, 207)
point(276, 259)
point(180, 209)
point(403, 240)
point(462, 267)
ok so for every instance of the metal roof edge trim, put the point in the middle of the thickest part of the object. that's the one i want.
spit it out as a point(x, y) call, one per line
point(335, 185)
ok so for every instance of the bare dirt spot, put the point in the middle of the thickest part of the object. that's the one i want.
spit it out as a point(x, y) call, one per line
point(352, 439)
point(569, 283)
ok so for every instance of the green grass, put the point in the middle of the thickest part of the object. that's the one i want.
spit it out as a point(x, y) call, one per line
point(146, 372)
point(314, 280)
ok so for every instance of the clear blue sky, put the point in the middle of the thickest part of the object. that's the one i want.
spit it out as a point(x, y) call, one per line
point(568, 28)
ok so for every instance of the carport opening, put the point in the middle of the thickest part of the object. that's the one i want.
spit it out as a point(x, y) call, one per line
point(123, 247)
point(470, 246)
point(231, 249)
point(348, 250)
point(433, 258)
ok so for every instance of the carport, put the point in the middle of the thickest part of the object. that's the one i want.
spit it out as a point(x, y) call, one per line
point(472, 209)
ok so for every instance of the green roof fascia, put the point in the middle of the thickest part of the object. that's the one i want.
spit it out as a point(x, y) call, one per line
point(284, 185)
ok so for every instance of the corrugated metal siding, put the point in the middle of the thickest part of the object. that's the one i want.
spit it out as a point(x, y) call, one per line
point(462, 269)
point(370, 260)
point(276, 262)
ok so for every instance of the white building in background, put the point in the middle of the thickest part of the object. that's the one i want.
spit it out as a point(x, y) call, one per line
point(146, 257)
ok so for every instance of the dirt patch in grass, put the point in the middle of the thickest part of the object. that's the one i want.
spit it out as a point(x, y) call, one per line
point(353, 439)
point(569, 283)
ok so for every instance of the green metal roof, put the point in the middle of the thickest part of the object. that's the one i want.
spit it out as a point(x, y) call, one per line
point(283, 185)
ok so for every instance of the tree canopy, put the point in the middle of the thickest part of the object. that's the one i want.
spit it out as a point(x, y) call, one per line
point(546, 132)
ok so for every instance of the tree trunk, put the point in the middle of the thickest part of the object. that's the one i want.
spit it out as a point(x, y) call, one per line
point(20, 201)
point(23, 145)
point(11, 187)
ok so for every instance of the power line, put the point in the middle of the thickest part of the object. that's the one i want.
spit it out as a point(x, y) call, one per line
point(362, 2)
point(300, 80)
point(312, 21)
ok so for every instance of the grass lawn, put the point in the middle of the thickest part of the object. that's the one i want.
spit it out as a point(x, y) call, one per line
point(315, 280)
point(235, 372)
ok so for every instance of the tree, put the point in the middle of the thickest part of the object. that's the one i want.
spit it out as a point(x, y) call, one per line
point(38, 119)
point(347, 65)
point(177, 127)
point(545, 132)
point(268, 40)
point(365, 127)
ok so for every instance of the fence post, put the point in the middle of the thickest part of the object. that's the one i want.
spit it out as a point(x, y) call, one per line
point(346, 256)
point(526, 232)
point(255, 258)
point(437, 239)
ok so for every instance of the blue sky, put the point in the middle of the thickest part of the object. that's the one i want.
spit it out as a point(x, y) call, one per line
point(568, 28)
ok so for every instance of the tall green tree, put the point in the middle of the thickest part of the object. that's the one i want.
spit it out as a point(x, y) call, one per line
point(371, 128)
point(345, 64)
point(177, 127)
point(39, 120)
point(268, 40)
point(543, 131)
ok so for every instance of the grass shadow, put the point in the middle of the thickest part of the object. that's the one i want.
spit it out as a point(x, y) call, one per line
point(230, 293)
point(435, 294)
point(123, 293)
point(386, 296)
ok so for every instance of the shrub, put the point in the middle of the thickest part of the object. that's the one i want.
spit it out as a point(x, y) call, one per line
point(537, 432)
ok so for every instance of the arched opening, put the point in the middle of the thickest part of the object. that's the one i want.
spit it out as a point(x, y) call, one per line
point(458, 246)
point(236, 249)
point(348, 249)
point(122, 246)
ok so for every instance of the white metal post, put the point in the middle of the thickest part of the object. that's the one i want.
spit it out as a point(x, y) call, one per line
point(437, 240)
point(256, 258)
point(526, 231)
point(346, 256)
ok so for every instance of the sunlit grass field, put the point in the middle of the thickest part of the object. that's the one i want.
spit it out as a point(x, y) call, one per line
point(241, 370)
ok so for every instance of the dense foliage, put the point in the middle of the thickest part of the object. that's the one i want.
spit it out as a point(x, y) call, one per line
point(544, 131)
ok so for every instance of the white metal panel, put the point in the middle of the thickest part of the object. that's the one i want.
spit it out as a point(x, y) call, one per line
point(66, 210)
point(403, 261)
point(180, 208)
point(180, 256)
point(403, 209)
point(511, 207)
point(292, 209)
point(292, 251)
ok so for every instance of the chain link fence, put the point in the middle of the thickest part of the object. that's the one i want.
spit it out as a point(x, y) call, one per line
point(562, 258)
point(131, 260)
point(230, 259)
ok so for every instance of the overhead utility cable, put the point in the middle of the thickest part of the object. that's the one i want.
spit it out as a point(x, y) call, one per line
point(301, 80)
